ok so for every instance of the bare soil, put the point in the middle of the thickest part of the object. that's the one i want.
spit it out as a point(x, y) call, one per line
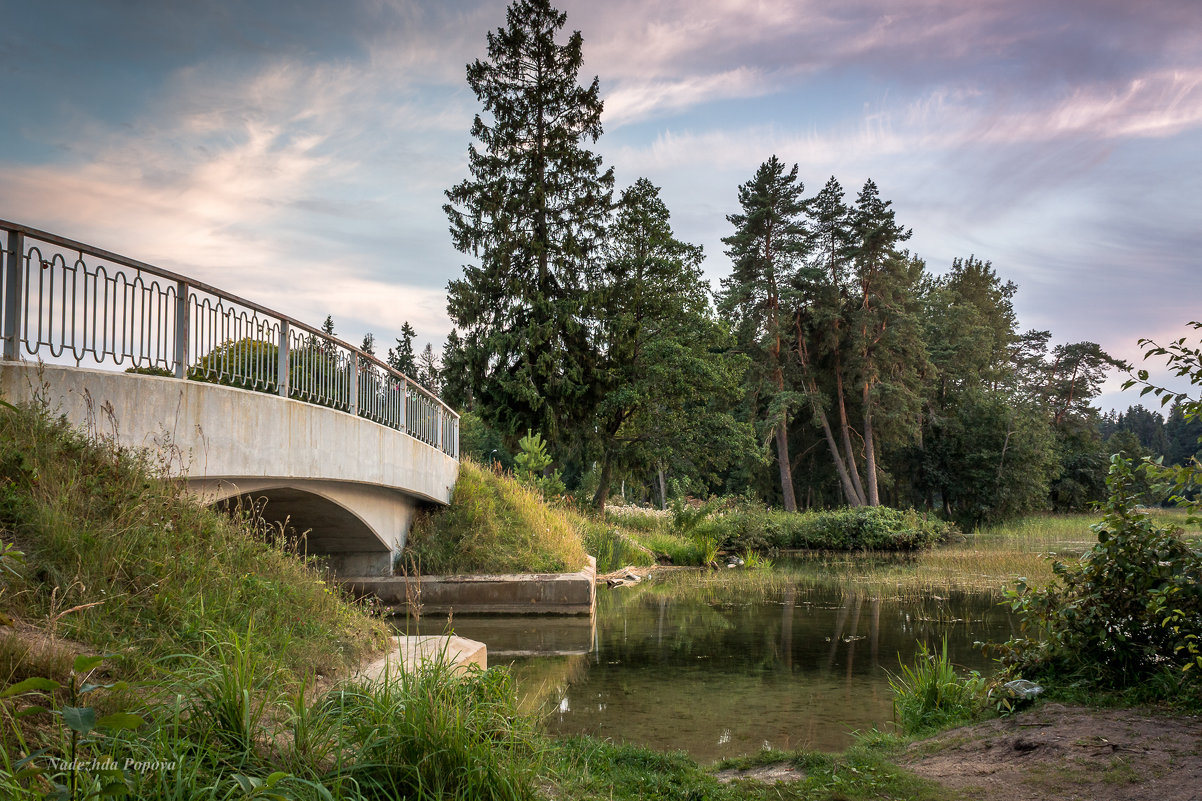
point(1062, 753)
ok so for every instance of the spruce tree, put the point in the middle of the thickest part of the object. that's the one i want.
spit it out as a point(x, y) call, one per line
point(400, 358)
point(531, 215)
point(428, 372)
point(766, 249)
point(668, 374)
point(456, 380)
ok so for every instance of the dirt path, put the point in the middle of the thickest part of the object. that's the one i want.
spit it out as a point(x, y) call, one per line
point(1059, 753)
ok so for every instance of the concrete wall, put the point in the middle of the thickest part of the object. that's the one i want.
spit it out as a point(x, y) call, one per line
point(514, 594)
point(230, 441)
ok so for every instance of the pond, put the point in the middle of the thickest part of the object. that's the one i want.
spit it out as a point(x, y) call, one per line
point(726, 663)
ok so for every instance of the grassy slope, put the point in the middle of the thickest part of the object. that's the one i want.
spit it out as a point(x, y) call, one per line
point(495, 525)
point(121, 560)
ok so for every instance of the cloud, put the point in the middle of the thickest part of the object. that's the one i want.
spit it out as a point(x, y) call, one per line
point(633, 101)
point(297, 185)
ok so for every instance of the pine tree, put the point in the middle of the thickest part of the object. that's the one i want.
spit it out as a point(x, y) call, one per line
point(766, 250)
point(531, 213)
point(400, 358)
point(821, 330)
point(369, 344)
point(891, 352)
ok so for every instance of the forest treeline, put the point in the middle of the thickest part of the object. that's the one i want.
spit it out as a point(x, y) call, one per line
point(831, 367)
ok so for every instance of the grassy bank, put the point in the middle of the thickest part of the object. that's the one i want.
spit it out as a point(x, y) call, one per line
point(227, 726)
point(120, 560)
point(495, 525)
point(154, 649)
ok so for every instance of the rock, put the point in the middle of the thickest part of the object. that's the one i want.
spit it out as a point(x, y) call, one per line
point(1023, 689)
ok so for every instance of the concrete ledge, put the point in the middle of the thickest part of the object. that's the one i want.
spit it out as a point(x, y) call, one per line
point(510, 636)
point(514, 594)
point(409, 653)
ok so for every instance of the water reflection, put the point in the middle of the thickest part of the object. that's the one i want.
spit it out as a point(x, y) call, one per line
point(725, 664)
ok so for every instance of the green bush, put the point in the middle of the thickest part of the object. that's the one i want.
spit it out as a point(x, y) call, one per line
point(1128, 611)
point(482, 442)
point(875, 528)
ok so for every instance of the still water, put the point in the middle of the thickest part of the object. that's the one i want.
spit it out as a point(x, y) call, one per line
point(722, 664)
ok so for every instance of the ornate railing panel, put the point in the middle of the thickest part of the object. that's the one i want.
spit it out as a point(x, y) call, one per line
point(63, 300)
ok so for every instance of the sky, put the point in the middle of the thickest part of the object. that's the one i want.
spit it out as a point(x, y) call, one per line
point(295, 152)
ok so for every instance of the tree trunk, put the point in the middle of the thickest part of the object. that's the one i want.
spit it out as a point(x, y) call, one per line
point(786, 472)
point(845, 431)
point(873, 498)
point(663, 489)
point(602, 493)
point(849, 489)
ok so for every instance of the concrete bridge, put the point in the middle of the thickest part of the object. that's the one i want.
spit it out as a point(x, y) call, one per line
point(247, 404)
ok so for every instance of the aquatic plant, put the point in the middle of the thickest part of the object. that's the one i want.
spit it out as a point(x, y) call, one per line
point(928, 695)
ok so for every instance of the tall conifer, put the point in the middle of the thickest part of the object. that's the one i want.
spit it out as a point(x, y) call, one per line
point(766, 249)
point(531, 214)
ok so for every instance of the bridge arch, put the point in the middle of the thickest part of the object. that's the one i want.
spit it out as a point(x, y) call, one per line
point(326, 525)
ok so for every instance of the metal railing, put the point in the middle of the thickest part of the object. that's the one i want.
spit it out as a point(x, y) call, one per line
point(66, 301)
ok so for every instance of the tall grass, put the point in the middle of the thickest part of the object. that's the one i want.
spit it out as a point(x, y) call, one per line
point(928, 695)
point(120, 558)
point(613, 547)
point(495, 525)
point(225, 726)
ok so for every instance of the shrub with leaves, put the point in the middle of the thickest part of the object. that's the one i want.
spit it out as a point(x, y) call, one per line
point(1130, 608)
point(875, 528)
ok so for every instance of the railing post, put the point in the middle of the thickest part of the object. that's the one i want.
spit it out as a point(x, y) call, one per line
point(13, 294)
point(438, 427)
point(282, 379)
point(404, 406)
point(354, 383)
point(182, 324)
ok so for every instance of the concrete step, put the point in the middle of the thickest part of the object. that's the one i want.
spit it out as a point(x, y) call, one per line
point(408, 653)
